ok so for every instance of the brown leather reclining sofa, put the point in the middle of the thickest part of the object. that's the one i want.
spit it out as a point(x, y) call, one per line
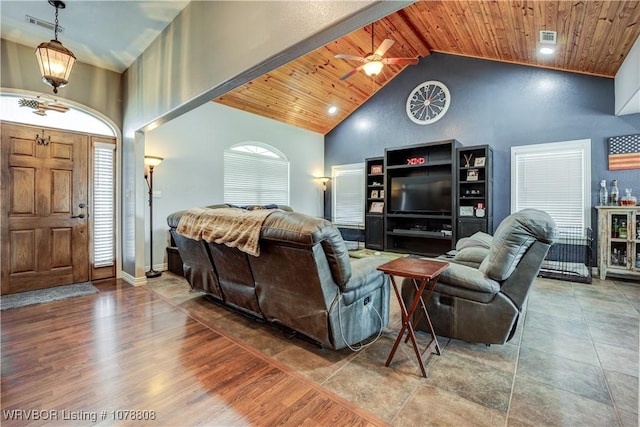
point(302, 279)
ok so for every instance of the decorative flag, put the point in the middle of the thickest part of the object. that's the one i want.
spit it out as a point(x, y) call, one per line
point(624, 152)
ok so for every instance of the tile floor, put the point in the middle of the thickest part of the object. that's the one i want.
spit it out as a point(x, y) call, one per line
point(573, 362)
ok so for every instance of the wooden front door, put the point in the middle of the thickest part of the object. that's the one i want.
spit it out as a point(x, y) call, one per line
point(44, 214)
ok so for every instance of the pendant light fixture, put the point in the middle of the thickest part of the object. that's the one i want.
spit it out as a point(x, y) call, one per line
point(55, 61)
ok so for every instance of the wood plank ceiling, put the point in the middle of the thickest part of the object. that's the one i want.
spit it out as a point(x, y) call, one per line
point(593, 37)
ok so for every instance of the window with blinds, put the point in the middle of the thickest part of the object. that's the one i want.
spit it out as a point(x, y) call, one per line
point(554, 178)
point(103, 204)
point(348, 195)
point(255, 174)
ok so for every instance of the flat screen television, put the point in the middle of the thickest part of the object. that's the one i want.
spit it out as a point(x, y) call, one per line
point(421, 194)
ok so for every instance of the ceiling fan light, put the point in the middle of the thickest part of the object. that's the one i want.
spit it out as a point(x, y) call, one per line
point(55, 62)
point(372, 68)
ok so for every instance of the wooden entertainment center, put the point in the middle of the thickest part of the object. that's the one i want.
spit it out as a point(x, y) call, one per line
point(422, 198)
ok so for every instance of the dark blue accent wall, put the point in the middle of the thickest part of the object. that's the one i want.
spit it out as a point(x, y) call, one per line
point(493, 103)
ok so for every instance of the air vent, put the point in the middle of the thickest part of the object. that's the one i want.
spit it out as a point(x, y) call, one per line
point(44, 24)
point(548, 37)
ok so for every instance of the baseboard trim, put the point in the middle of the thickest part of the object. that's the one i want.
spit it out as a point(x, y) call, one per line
point(132, 280)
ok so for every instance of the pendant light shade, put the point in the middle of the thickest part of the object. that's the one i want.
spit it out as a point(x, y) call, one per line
point(55, 60)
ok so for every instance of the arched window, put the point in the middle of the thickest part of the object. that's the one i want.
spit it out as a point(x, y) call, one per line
point(255, 174)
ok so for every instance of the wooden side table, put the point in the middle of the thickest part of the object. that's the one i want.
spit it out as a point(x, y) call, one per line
point(427, 271)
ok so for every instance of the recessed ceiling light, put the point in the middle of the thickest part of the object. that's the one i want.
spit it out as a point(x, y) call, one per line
point(332, 109)
point(546, 50)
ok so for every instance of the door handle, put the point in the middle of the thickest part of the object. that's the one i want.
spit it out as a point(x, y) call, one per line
point(81, 216)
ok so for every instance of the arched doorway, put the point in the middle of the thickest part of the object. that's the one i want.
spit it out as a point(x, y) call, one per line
point(59, 201)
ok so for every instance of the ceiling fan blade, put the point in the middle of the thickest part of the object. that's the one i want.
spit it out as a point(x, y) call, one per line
point(384, 47)
point(352, 72)
point(353, 57)
point(400, 61)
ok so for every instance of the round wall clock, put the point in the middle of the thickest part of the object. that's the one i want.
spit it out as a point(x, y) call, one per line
point(428, 102)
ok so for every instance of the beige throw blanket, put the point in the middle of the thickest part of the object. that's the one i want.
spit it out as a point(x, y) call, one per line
point(238, 228)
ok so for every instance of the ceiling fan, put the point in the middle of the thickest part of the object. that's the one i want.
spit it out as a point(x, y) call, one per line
point(373, 62)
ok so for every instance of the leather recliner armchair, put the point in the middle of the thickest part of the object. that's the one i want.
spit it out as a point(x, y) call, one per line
point(302, 279)
point(480, 296)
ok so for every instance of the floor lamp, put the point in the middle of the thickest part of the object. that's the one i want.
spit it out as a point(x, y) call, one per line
point(151, 162)
point(324, 180)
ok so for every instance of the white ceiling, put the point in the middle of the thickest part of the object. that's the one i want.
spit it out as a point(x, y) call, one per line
point(107, 34)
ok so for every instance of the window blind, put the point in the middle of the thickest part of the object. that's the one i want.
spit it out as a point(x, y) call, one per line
point(554, 178)
point(255, 178)
point(103, 204)
point(348, 195)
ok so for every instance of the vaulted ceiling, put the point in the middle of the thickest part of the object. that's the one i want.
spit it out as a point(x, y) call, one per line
point(593, 37)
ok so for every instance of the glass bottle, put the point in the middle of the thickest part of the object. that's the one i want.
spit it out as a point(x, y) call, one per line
point(614, 229)
point(628, 199)
point(604, 195)
point(638, 260)
point(622, 232)
point(615, 193)
point(614, 257)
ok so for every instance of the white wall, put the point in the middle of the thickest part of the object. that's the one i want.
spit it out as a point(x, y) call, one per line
point(192, 173)
point(627, 83)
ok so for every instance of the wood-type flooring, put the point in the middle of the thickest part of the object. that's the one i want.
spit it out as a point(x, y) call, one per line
point(126, 356)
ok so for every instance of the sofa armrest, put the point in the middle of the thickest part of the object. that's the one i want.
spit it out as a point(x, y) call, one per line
point(365, 278)
point(470, 278)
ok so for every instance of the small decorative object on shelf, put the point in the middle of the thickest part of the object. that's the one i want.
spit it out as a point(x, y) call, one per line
point(376, 169)
point(374, 194)
point(411, 161)
point(376, 207)
point(382, 194)
point(479, 162)
point(466, 210)
point(613, 196)
point(467, 160)
point(480, 210)
point(604, 195)
point(628, 199)
point(472, 175)
point(473, 192)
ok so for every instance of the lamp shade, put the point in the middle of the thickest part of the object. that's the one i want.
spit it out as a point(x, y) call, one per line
point(152, 161)
point(372, 68)
point(55, 62)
